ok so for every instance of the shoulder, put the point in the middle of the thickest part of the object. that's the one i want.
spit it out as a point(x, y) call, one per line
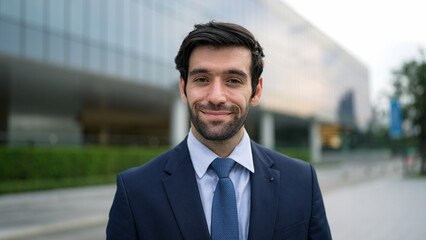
point(157, 167)
point(280, 161)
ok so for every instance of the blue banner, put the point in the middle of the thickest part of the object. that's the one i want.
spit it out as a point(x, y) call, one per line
point(395, 130)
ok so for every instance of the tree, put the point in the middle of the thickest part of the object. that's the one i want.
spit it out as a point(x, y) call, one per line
point(410, 86)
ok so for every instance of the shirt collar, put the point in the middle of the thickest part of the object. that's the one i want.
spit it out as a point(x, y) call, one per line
point(202, 157)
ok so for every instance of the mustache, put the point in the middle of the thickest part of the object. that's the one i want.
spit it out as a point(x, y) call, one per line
point(214, 107)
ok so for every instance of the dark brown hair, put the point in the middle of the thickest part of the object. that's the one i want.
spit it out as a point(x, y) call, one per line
point(220, 34)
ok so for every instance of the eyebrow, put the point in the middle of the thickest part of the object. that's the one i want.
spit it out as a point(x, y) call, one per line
point(237, 72)
point(197, 71)
point(231, 71)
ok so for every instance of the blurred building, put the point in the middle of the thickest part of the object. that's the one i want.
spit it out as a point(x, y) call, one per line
point(102, 71)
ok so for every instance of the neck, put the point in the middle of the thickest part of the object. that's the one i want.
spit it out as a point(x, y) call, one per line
point(223, 148)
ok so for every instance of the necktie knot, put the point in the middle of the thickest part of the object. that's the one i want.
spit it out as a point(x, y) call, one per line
point(222, 166)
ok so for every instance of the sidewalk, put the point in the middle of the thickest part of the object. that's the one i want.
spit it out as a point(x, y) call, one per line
point(28, 215)
point(391, 208)
point(342, 174)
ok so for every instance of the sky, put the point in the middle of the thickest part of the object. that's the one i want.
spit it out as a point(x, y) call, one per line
point(381, 34)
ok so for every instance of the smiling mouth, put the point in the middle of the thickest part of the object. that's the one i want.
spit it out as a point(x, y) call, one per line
point(212, 112)
point(216, 114)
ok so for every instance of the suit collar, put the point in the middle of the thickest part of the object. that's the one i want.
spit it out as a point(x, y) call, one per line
point(202, 156)
point(186, 202)
point(176, 157)
point(182, 191)
point(264, 195)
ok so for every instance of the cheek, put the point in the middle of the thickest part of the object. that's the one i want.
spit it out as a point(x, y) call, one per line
point(192, 99)
point(240, 99)
point(195, 96)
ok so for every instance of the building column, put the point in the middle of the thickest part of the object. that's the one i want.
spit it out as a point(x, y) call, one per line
point(267, 130)
point(315, 141)
point(179, 121)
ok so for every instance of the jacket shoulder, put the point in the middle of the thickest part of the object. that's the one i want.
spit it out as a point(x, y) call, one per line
point(157, 166)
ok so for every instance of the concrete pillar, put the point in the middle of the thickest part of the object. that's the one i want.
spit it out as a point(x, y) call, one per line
point(267, 130)
point(315, 141)
point(179, 121)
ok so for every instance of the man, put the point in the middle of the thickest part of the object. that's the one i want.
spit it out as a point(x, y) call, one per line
point(185, 193)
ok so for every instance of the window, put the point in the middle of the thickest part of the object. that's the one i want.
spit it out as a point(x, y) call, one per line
point(34, 12)
point(94, 20)
point(34, 43)
point(95, 58)
point(111, 23)
point(159, 34)
point(56, 49)
point(9, 38)
point(120, 64)
point(126, 28)
point(146, 70)
point(145, 30)
point(57, 15)
point(111, 62)
point(76, 54)
point(76, 18)
point(119, 26)
point(131, 67)
point(127, 64)
point(10, 8)
point(134, 26)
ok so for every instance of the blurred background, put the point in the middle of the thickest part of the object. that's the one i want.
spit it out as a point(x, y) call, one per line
point(88, 88)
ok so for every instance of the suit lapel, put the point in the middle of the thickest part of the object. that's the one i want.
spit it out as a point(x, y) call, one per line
point(264, 195)
point(184, 198)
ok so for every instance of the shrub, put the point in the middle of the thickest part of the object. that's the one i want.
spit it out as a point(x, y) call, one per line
point(68, 166)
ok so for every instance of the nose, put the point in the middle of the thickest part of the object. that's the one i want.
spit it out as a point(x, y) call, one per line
point(217, 92)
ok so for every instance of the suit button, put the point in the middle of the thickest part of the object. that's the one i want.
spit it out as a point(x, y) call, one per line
point(271, 179)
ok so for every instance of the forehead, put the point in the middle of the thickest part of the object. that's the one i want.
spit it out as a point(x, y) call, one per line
point(220, 58)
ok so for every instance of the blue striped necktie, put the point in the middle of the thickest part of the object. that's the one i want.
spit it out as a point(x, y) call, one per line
point(224, 207)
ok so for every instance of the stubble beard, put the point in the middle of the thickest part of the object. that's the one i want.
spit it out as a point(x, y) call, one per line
point(228, 129)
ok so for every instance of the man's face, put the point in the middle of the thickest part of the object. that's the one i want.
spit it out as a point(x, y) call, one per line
point(218, 90)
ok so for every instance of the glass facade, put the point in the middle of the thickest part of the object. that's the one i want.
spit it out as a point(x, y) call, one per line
point(306, 74)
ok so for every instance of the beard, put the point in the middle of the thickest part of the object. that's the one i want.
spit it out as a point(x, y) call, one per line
point(218, 130)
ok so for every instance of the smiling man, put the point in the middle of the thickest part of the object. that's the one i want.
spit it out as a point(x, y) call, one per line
point(218, 93)
point(217, 183)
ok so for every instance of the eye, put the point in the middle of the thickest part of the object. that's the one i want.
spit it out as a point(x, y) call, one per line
point(234, 81)
point(200, 79)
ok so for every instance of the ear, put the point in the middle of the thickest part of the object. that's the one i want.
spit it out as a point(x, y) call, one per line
point(182, 90)
point(256, 98)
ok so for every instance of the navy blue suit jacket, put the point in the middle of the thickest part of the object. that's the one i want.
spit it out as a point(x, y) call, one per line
point(160, 200)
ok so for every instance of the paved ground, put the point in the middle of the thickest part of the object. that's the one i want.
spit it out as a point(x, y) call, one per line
point(24, 216)
point(392, 208)
point(344, 174)
point(364, 200)
point(92, 232)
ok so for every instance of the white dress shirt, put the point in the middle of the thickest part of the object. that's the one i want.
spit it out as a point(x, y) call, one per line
point(207, 179)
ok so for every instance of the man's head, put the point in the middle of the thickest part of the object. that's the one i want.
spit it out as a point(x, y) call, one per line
point(220, 66)
point(219, 35)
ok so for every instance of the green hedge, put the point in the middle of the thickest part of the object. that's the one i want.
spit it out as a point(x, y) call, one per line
point(299, 153)
point(10, 186)
point(25, 168)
